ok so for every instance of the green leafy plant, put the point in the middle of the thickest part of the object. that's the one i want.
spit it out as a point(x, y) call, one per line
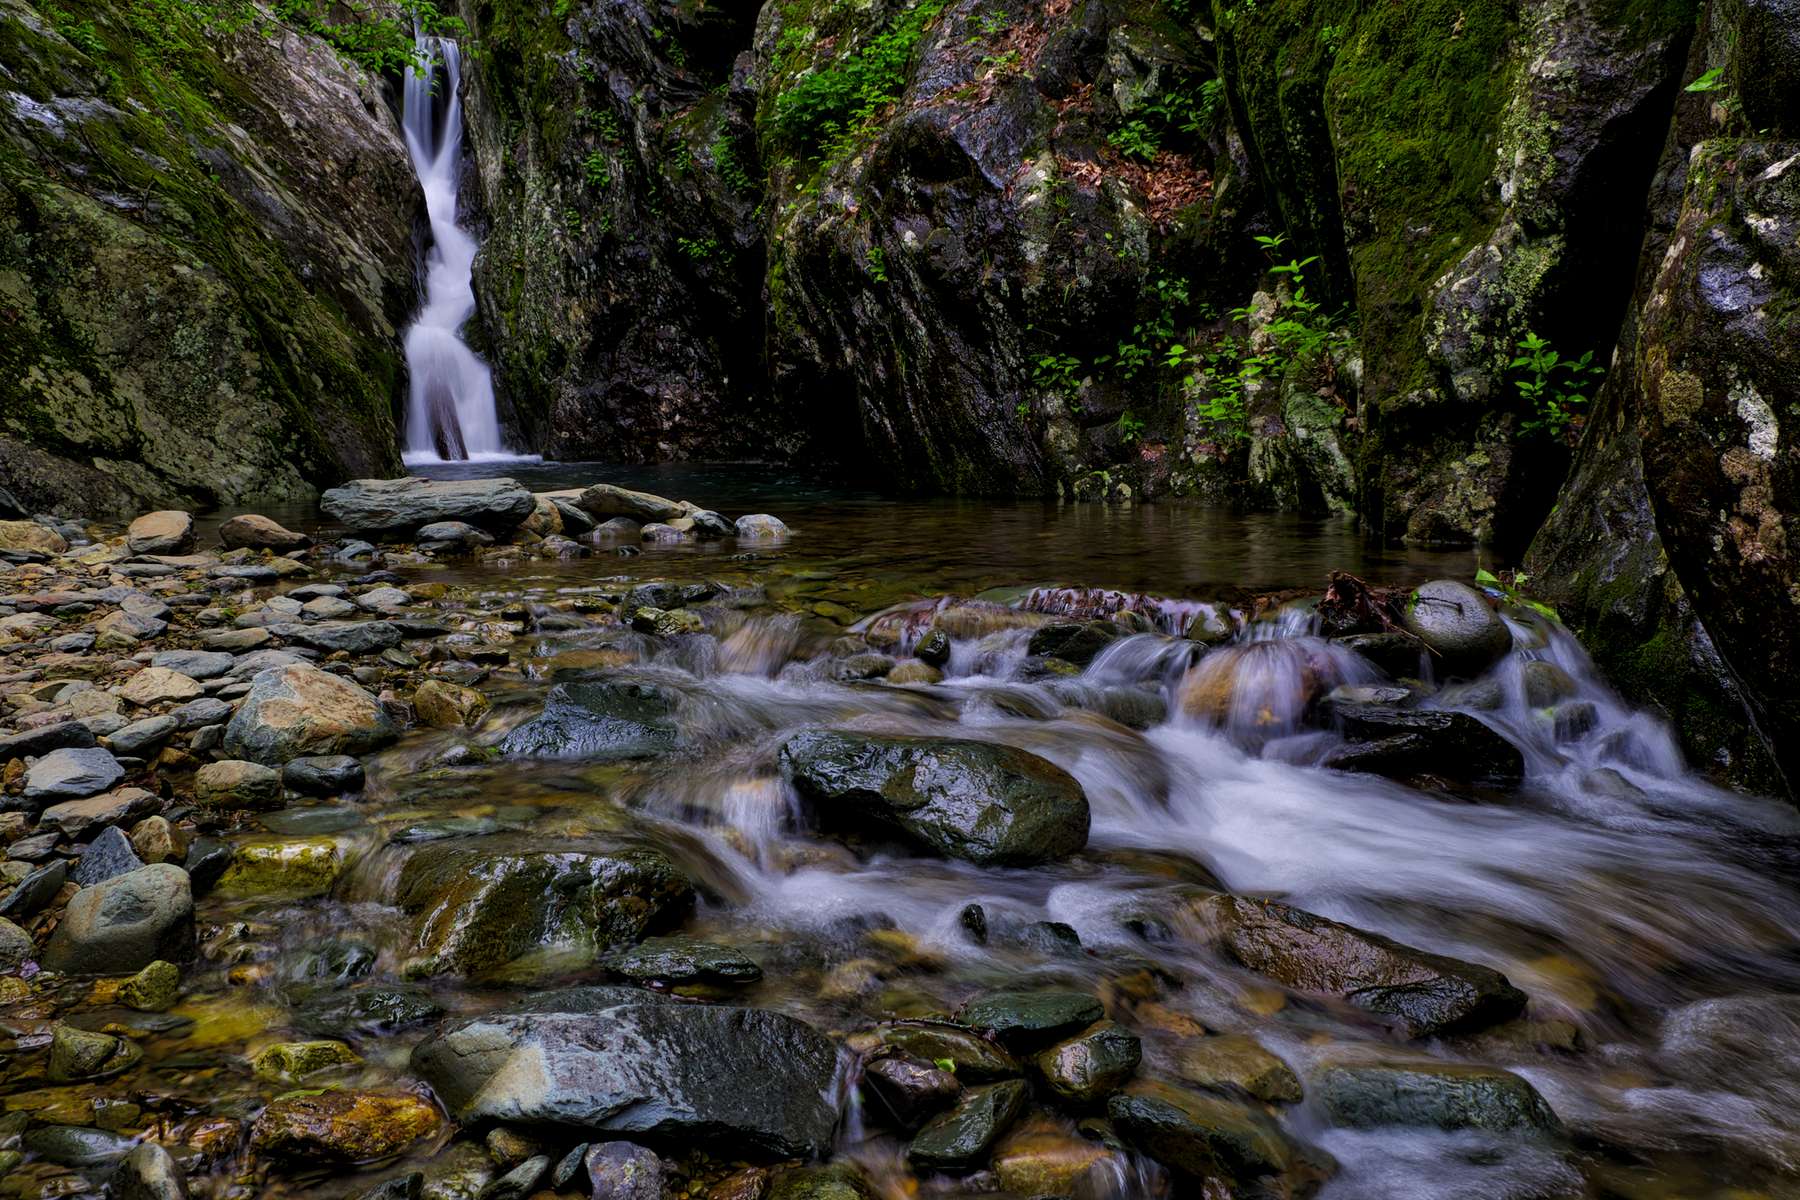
point(1712, 81)
point(1510, 588)
point(596, 169)
point(877, 261)
point(1059, 373)
point(1135, 139)
point(1554, 388)
point(1130, 427)
point(698, 249)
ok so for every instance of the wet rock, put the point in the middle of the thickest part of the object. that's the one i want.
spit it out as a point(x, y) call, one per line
point(35, 891)
point(741, 1079)
point(1458, 624)
point(1091, 1065)
point(837, 1181)
point(125, 923)
point(77, 1146)
point(972, 1058)
point(859, 667)
point(235, 783)
point(486, 902)
point(323, 774)
point(1207, 1137)
point(980, 801)
point(282, 867)
point(343, 1127)
point(444, 705)
point(206, 860)
point(395, 507)
point(1431, 1094)
point(680, 961)
point(960, 1139)
point(165, 532)
point(373, 1011)
point(604, 501)
point(933, 648)
point(1077, 642)
point(1040, 1159)
point(459, 534)
point(759, 527)
point(77, 1054)
point(915, 672)
point(260, 533)
point(71, 775)
point(605, 720)
point(709, 524)
point(286, 1062)
point(107, 856)
point(1403, 743)
point(1025, 1020)
point(80, 819)
point(1427, 993)
point(16, 947)
point(149, 1172)
point(159, 685)
point(519, 1182)
point(141, 739)
point(1236, 1061)
point(153, 989)
point(300, 711)
point(909, 1089)
point(1545, 683)
point(623, 1171)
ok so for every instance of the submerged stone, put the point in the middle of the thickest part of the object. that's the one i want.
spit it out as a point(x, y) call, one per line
point(1431, 1094)
point(1022, 1020)
point(1208, 1137)
point(960, 1139)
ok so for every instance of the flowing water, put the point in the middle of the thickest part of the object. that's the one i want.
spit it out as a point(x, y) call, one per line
point(450, 413)
point(1650, 916)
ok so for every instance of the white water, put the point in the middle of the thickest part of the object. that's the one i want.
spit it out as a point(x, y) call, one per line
point(450, 412)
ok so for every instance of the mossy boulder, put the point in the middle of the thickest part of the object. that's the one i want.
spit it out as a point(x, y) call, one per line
point(342, 1127)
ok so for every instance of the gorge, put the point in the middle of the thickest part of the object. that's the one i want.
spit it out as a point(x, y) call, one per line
point(1103, 599)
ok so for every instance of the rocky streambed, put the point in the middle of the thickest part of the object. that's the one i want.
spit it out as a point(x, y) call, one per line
point(493, 843)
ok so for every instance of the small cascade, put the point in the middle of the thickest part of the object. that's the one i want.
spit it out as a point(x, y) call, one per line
point(450, 415)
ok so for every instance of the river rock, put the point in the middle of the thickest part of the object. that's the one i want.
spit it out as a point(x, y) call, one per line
point(285, 867)
point(71, 775)
point(445, 705)
point(149, 1172)
point(35, 891)
point(1079, 642)
point(1028, 1019)
point(989, 804)
point(107, 856)
point(911, 1089)
point(77, 1054)
point(255, 532)
point(396, 507)
point(287, 1062)
point(372, 1012)
point(959, 1140)
point(1402, 743)
point(973, 1058)
point(300, 711)
point(16, 946)
point(1209, 1137)
point(760, 527)
point(605, 720)
point(454, 533)
point(483, 903)
point(153, 989)
point(76, 1145)
point(352, 637)
point(159, 685)
point(141, 739)
point(166, 532)
point(235, 783)
point(685, 961)
point(1426, 993)
point(35, 743)
point(157, 839)
point(742, 1080)
point(1236, 1061)
point(604, 501)
point(1091, 1065)
point(125, 923)
point(1458, 624)
point(30, 537)
point(80, 819)
point(1431, 1094)
point(324, 774)
point(623, 1171)
point(343, 1127)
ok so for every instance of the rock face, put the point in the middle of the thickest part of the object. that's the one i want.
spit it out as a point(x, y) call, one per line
point(396, 507)
point(298, 710)
point(214, 324)
point(603, 1061)
point(1425, 993)
point(1676, 548)
point(483, 904)
point(986, 803)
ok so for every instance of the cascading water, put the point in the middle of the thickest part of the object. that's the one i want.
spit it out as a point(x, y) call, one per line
point(450, 412)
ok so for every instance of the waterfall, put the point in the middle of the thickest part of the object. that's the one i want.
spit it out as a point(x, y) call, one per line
point(450, 412)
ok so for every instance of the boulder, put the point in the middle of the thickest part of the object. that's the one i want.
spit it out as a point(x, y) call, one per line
point(604, 501)
point(1430, 1094)
point(300, 711)
point(910, 1089)
point(454, 533)
point(1425, 993)
point(987, 803)
point(605, 720)
point(327, 637)
point(959, 1140)
point(445, 705)
point(31, 538)
point(742, 1080)
point(71, 775)
point(1403, 743)
point(760, 527)
point(125, 923)
point(397, 507)
point(974, 1058)
point(1079, 642)
point(255, 532)
point(483, 903)
point(283, 867)
point(1458, 624)
point(167, 532)
point(342, 1127)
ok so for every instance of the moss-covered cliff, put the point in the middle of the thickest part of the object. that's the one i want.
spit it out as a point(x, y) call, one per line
point(206, 249)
